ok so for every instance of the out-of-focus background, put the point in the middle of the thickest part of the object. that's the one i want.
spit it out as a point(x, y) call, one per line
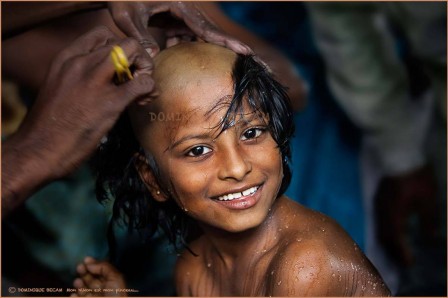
point(336, 166)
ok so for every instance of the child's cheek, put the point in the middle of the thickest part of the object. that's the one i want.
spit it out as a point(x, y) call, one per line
point(188, 179)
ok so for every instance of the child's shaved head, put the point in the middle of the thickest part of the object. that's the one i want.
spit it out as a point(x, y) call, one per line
point(178, 71)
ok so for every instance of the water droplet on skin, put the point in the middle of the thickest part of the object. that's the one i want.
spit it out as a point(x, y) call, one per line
point(264, 250)
point(209, 265)
point(334, 274)
point(322, 229)
point(299, 239)
point(279, 283)
point(340, 278)
point(286, 227)
point(363, 288)
point(272, 272)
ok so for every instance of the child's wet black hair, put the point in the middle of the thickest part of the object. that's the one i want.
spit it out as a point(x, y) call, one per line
point(117, 178)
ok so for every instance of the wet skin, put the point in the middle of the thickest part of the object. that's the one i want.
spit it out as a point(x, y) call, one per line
point(257, 244)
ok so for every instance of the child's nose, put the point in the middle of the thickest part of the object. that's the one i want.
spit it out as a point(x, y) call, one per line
point(233, 164)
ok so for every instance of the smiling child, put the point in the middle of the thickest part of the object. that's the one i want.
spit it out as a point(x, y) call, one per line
point(209, 165)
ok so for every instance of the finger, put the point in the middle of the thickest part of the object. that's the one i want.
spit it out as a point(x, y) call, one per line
point(87, 43)
point(97, 68)
point(148, 42)
point(81, 269)
point(172, 41)
point(175, 36)
point(103, 269)
point(133, 21)
point(89, 260)
point(90, 281)
point(196, 20)
point(139, 88)
point(78, 283)
point(135, 54)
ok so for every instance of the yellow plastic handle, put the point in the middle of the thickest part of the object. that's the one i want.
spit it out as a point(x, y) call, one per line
point(121, 64)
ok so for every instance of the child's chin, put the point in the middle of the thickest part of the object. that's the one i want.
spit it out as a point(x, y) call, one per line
point(244, 226)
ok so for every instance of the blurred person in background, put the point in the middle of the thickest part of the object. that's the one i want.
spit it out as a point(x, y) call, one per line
point(386, 65)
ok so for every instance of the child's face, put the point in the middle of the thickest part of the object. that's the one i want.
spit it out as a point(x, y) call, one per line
point(227, 181)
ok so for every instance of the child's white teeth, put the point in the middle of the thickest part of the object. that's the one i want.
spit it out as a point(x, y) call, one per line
point(247, 192)
point(238, 195)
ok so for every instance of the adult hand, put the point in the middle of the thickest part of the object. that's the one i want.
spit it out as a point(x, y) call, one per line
point(188, 20)
point(397, 200)
point(75, 108)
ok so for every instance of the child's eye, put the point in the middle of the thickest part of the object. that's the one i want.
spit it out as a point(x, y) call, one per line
point(252, 133)
point(198, 151)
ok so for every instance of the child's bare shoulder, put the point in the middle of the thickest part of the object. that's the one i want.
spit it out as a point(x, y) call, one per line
point(316, 257)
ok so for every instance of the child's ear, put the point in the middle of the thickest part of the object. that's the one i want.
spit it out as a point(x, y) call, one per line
point(147, 176)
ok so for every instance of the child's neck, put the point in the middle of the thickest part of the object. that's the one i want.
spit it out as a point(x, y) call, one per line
point(232, 247)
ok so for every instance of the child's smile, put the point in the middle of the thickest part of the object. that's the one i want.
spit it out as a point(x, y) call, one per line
point(240, 199)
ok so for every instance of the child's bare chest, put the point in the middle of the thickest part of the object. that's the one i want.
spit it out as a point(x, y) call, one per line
point(248, 278)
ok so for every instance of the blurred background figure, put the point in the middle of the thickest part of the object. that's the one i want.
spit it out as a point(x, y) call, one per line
point(386, 66)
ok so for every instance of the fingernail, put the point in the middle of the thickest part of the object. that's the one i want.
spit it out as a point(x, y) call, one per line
point(149, 51)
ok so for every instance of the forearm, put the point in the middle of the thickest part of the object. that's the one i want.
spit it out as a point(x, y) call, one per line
point(23, 172)
point(19, 16)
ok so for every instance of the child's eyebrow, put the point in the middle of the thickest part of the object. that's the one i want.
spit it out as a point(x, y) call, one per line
point(203, 136)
